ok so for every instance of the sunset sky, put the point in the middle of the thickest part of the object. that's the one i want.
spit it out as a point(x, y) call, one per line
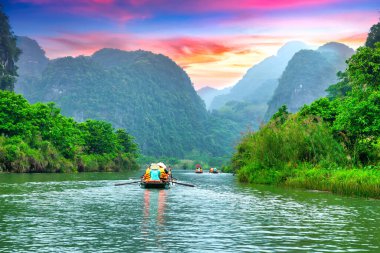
point(215, 41)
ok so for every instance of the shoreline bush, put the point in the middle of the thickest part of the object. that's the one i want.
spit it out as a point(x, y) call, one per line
point(38, 138)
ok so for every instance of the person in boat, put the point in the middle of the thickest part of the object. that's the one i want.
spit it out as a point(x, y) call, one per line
point(146, 176)
point(154, 172)
point(170, 173)
point(164, 173)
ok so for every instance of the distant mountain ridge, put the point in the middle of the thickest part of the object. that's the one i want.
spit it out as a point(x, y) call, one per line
point(308, 74)
point(270, 68)
point(147, 94)
point(153, 98)
point(208, 94)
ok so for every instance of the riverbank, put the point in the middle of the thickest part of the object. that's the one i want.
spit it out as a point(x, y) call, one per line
point(359, 182)
point(38, 138)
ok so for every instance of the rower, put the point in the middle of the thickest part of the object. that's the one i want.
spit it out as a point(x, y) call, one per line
point(154, 172)
point(163, 171)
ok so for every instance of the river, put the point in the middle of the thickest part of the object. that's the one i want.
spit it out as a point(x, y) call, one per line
point(87, 213)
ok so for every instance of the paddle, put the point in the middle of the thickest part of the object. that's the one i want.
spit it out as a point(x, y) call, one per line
point(190, 185)
point(128, 183)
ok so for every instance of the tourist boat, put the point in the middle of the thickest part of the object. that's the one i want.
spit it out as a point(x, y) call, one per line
point(198, 170)
point(158, 184)
point(214, 170)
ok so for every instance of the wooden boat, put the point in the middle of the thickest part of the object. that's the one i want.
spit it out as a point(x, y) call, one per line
point(214, 171)
point(158, 184)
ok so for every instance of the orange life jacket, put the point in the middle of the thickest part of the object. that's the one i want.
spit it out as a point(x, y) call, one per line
point(147, 174)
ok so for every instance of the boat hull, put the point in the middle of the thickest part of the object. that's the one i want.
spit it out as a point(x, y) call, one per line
point(155, 185)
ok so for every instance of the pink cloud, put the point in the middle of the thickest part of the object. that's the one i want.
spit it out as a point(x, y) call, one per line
point(227, 57)
point(223, 5)
point(131, 9)
point(185, 50)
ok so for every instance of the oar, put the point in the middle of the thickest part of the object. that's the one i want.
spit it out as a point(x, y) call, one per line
point(191, 185)
point(128, 183)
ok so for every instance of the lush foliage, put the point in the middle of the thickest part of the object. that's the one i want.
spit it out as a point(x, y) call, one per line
point(146, 93)
point(280, 145)
point(373, 35)
point(355, 117)
point(38, 138)
point(8, 54)
point(332, 144)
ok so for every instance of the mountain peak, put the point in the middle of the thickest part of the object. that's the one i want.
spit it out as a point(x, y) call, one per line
point(291, 47)
point(206, 89)
point(336, 47)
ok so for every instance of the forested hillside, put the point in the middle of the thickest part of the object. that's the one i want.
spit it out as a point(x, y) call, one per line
point(308, 74)
point(145, 93)
point(31, 63)
point(331, 144)
point(38, 138)
point(208, 94)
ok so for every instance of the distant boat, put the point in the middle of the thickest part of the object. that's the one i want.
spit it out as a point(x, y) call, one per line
point(214, 170)
point(198, 168)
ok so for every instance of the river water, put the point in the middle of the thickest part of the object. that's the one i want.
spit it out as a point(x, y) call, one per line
point(87, 213)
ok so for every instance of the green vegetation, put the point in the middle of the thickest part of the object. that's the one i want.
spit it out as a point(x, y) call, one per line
point(146, 93)
point(373, 36)
point(8, 54)
point(332, 144)
point(37, 138)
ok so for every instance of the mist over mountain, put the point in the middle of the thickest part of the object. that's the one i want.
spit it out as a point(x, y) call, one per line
point(270, 68)
point(208, 94)
point(308, 74)
point(153, 98)
point(147, 94)
point(31, 63)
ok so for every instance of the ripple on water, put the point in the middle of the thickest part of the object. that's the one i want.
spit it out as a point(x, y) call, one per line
point(218, 215)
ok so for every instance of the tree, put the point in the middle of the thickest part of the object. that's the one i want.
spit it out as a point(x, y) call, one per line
point(341, 88)
point(99, 137)
point(8, 54)
point(281, 115)
point(373, 36)
point(358, 118)
point(323, 108)
point(126, 142)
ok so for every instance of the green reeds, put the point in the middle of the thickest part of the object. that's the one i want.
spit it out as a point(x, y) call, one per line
point(302, 153)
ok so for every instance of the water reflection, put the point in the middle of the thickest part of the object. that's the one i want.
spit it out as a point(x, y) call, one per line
point(87, 213)
point(154, 206)
point(154, 216)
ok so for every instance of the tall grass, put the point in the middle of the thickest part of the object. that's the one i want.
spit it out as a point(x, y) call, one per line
point(302, 153)
point(286, 145)
point(349, 181)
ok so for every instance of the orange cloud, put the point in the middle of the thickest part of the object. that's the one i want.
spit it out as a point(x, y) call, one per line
point(218, 60)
